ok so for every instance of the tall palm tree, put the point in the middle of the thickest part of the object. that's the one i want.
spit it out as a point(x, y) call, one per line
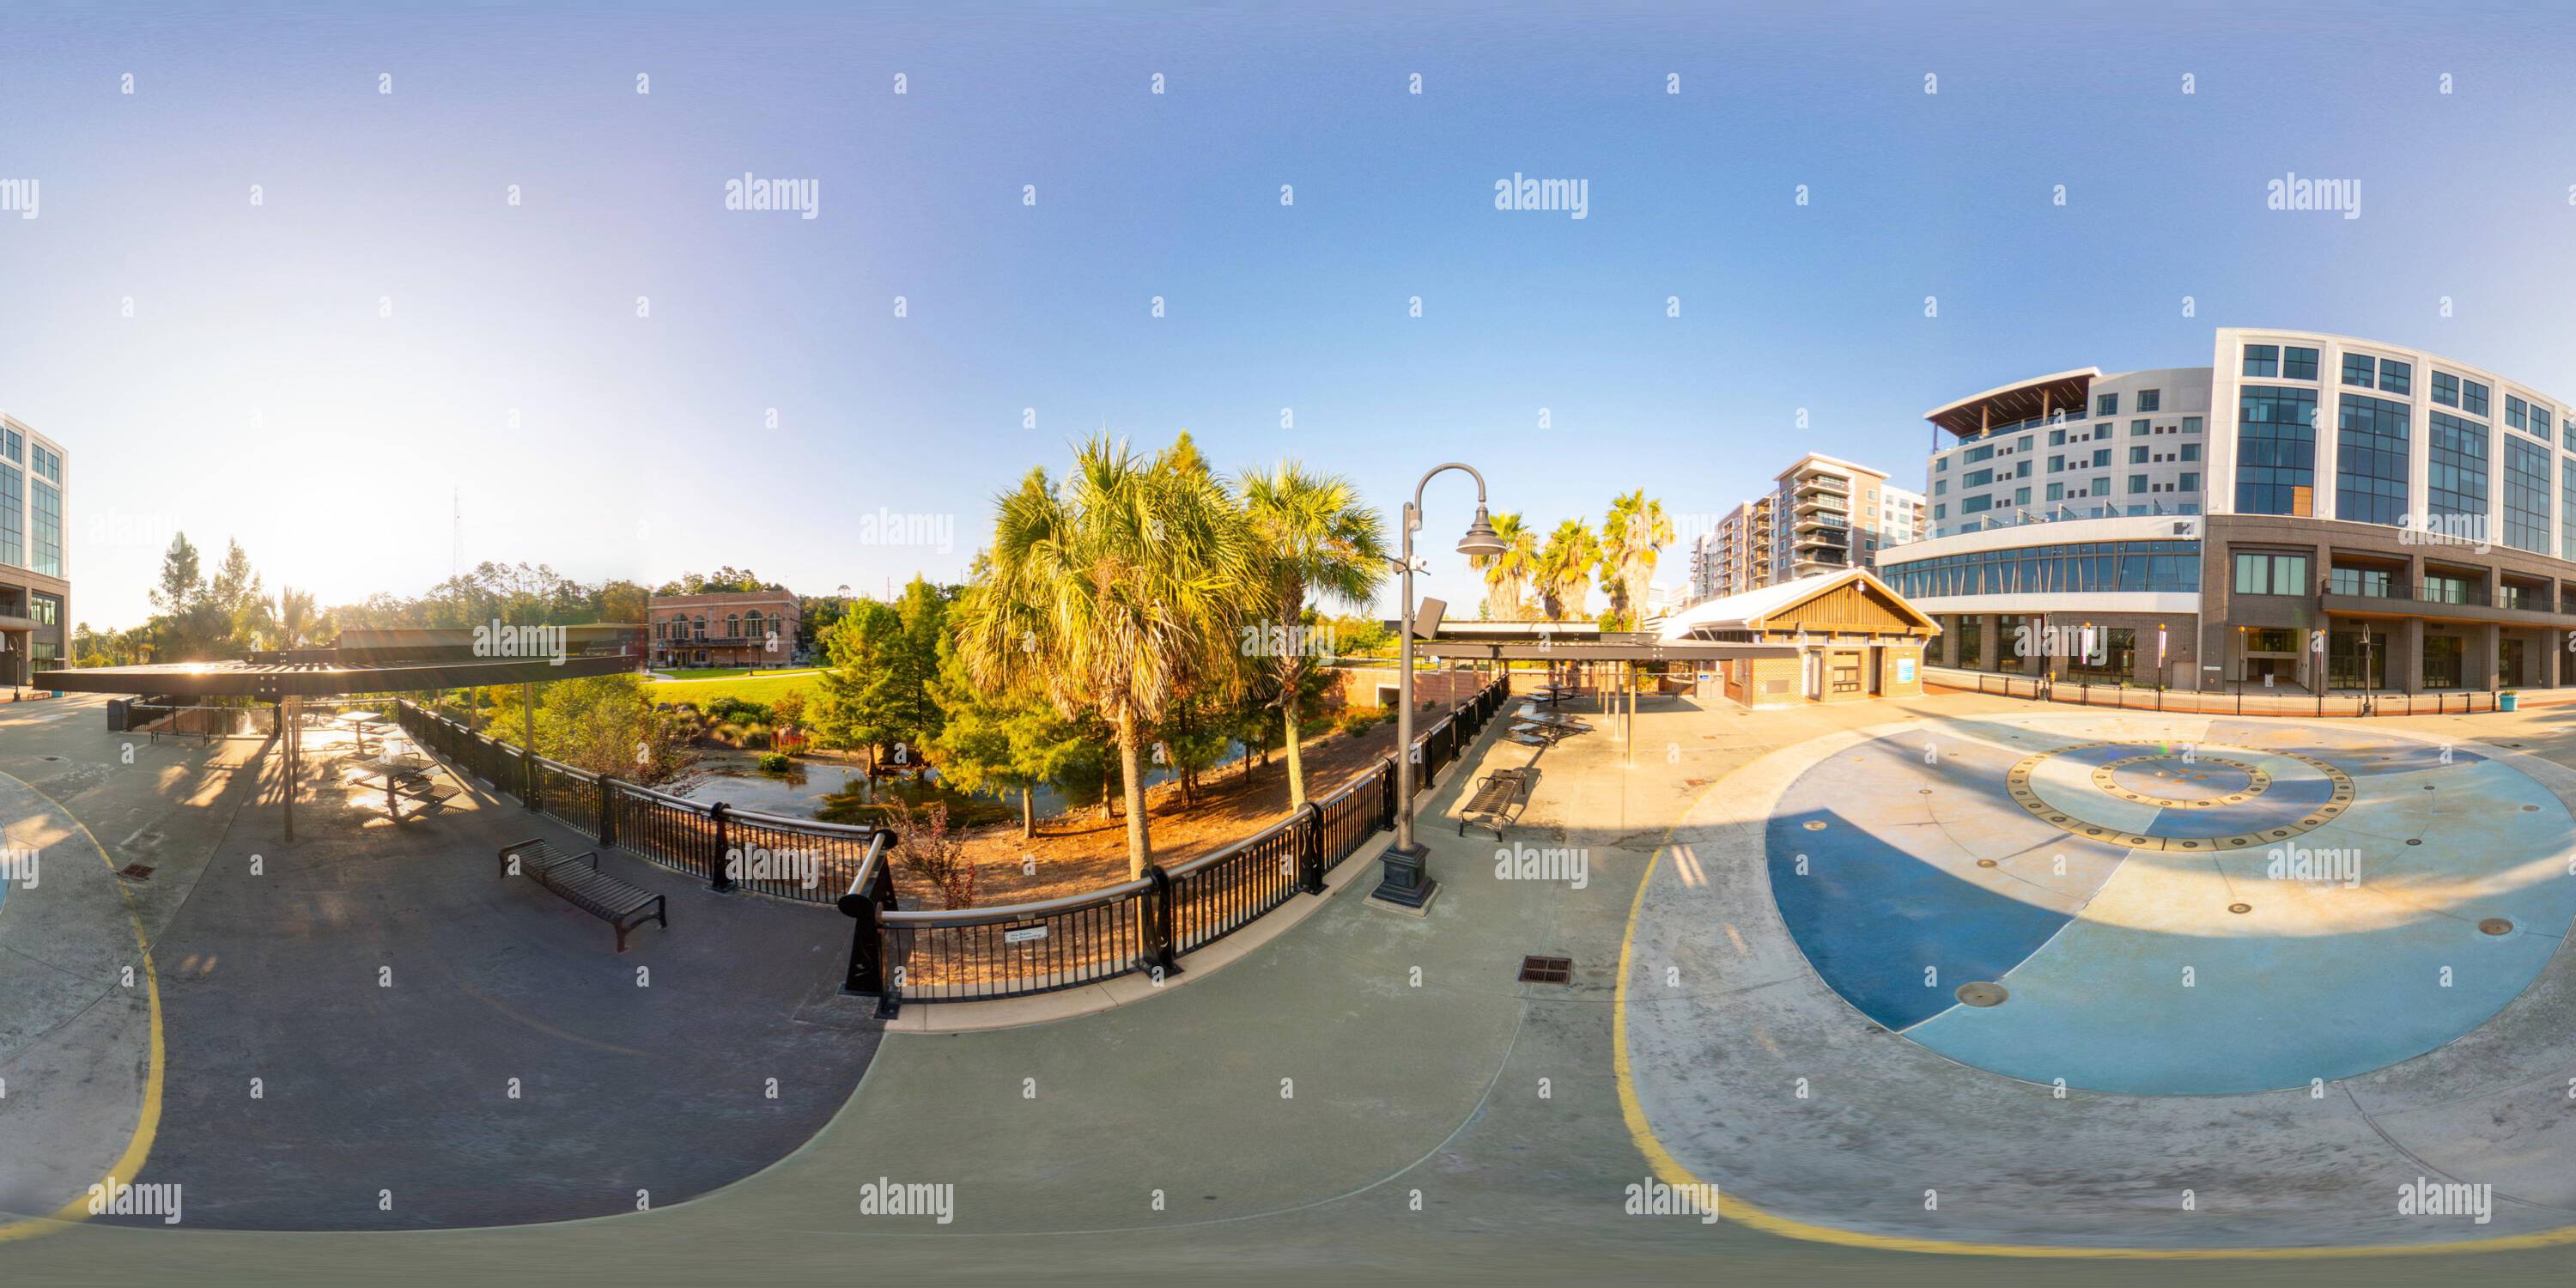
point(1104, 592)
point(1565, 569)
point(297, 619)
point(1632, 535)
point(1508, 574)
point(1310, 533)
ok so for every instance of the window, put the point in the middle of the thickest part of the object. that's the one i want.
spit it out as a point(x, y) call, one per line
point(2445, 588)
point(1978, 478)
point(1941, 466)
point(44, 610)
point(2057, 465)
point(2358, 370)
point(2264, 573)
point(2021, 496)
point(2567, 508)
point(2372, 583)
point(2137, 456)
point(2442, 661)
point(2276, 450)
point(2540, 422)
point(2148, 399)
point(2137, 429)
point(1981, 452)
point(13, 516)
point(2455, 491)
point(1941, 510)
point(2101, 457)
point(2068, 568)
point(2446, 389)
point(2137, 484)
point(2056, 491)
point(2263, 360)
point(2473, 398)
point(2190, 482)
point(13, 445)
point(1976, 504)
point(45, 464)
point(45, 525)
point(1940, 487)
point(1968, 632)
point(2106, 404)
point(2517, 413)
point(2370, 460)
point(2298, 363)
point(2526, 495)
point(2191, 451)
point(2191, 424)
point(2396, 377)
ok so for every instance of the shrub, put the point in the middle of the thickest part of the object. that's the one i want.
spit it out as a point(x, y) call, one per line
point(1359, 720)
point(775, 762)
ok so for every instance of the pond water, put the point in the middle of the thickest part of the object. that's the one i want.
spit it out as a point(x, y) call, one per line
point(830, 789)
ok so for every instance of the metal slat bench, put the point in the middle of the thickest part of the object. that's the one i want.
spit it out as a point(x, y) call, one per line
point(578, 881)
point(1498, 796)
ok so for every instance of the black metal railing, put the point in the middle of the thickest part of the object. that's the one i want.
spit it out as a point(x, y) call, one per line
point(968, 954)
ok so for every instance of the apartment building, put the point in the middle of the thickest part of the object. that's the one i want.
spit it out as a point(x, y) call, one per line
point(35, 590)
point(1822, 515)
point(752, 628)
point(2309, 511)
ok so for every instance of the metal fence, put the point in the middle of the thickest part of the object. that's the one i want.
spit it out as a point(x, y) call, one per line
point(1145, 924)
point(1149, 923)
point(2240, 701)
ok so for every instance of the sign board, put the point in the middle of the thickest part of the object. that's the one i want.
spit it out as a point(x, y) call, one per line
point(1905, 670)
point(1024, 934)
point(1426, 619)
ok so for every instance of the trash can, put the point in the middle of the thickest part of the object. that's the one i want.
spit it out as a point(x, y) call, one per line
point(2508, 701)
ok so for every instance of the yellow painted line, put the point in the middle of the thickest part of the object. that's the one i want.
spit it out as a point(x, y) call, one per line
point(147, 1124)
point(1671, 1171)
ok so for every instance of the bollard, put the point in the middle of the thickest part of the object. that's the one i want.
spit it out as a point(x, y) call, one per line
point(1310, 850)
point(1154, 926)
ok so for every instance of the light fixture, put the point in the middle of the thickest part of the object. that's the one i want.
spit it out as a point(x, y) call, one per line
point(1480, 541)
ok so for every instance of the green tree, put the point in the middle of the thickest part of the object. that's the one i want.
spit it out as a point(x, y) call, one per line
point(1009, 741)
point(1633, 535)
point(1565, 570)
point(604, 724)
point(1311, 535)
point(1107, 594)
point(1509, 572)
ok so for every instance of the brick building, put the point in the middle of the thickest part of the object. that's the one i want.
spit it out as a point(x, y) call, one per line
point(747, 628)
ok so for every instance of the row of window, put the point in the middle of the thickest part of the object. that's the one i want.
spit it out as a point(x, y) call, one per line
point(2071, 568)
point(2109, 404)
point(2272, 362)
point(2394, 377)
point(679, 626)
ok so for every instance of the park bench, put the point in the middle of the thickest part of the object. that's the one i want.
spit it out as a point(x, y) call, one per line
point(576, 878)
point(1499, 795)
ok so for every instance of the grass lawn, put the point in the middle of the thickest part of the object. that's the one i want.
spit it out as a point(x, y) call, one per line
point(761, 686)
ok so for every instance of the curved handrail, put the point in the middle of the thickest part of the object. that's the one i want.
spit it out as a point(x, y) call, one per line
point(937, 918)
point(1214, 857)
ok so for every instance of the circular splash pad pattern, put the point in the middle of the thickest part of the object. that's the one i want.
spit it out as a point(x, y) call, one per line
point(2171, 905)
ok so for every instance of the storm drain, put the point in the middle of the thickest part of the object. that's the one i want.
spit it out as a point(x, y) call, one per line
point(135, 872)
point(2495, 926)
point(1547, 970)
point(1981, 993)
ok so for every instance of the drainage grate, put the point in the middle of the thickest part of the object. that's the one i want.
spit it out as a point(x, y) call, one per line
point(135, 872)
point(2495, 926)
point(2240, 908)
point(1547, 970)
point(1981, 993)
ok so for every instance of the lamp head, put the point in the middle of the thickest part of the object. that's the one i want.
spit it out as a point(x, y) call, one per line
point(1480, 541)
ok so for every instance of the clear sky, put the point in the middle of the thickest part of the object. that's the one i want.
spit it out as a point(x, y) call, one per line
point(319, 373)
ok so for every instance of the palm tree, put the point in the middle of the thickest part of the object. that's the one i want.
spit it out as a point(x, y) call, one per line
point(298, 622)
point(1632, 534)
point(1105, 593)
point(1507, 575)
point(1565, 569)
point(1309, 533)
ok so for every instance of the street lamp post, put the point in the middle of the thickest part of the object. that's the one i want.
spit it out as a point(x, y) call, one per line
point(1404, 881)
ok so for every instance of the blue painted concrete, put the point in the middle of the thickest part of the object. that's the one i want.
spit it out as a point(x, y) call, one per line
point(2315, 981)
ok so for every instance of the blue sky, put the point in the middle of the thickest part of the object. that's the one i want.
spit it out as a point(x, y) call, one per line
point(259, 391)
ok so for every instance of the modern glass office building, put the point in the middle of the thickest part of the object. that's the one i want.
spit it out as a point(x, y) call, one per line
point(35, 593)
point(2310, 510)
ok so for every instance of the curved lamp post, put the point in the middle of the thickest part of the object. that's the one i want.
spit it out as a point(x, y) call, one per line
point(1405, 882)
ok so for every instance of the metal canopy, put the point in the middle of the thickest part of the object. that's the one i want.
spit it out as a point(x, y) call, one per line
point(271, 681)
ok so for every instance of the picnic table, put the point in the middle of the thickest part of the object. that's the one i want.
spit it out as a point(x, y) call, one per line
point(405, 777)
point(360, 724)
